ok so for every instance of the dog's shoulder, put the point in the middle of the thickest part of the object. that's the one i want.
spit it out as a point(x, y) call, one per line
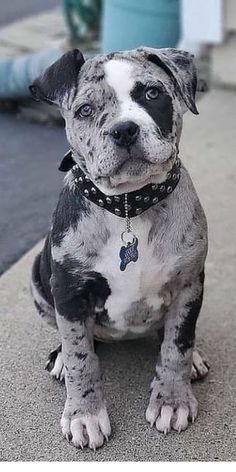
point(71, 208)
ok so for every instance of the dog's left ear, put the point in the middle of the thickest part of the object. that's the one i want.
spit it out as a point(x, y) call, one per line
point(179, 65)
point(59, 78)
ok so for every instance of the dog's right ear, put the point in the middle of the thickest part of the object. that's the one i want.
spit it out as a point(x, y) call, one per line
point(59, 78)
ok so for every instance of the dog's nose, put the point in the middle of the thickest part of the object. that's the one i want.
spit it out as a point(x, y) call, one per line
point(125, 133)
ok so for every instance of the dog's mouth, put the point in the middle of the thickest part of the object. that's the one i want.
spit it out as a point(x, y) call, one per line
point(130, 177)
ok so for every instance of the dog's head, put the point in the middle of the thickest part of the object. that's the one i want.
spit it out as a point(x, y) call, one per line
point(123, 112)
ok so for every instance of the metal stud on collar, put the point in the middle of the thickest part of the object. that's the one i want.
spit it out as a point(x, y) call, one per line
point(131, 204)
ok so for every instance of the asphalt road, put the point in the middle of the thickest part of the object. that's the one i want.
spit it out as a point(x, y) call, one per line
point(29, 183)
point(29, 157)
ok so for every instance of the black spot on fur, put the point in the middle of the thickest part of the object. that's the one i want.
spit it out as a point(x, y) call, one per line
point(160, 109)
point(186, 333)
point(110, 56)
point(98, 78)
point(102, 318)
point(103, 119)
point(90, 390)
point(79, 338)
point(76, 292)
point(81, 355)
point(71, 208)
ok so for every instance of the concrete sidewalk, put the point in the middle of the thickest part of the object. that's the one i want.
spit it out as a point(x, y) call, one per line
point(31, 402)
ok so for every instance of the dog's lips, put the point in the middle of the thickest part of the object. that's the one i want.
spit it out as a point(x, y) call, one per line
point(111, 186)
point(125, 174)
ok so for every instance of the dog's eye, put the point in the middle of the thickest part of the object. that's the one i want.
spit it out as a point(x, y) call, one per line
point(152, 93)
point(84, 111)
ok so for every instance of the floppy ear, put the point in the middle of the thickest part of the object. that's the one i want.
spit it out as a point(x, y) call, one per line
point(179, 65)
point(59, 78)
point(67, 162)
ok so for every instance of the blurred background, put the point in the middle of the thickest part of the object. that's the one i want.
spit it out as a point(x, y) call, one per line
point(33, 34)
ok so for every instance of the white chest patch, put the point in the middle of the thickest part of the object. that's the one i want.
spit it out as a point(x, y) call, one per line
point(120, 75)
point(134, 303)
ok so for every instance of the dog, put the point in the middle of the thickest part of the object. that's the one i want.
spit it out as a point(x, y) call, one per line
point(126, 251)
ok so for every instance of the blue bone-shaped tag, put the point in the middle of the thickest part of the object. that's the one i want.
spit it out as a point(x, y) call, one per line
point(128, 254)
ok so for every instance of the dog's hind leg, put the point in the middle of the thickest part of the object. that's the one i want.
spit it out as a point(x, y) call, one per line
point(55, 364)
point(200, 366)
point(41, 300)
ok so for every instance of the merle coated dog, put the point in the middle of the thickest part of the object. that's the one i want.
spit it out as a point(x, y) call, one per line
point(125, 254)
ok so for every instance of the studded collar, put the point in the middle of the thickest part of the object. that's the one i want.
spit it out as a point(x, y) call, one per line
point(138, 200)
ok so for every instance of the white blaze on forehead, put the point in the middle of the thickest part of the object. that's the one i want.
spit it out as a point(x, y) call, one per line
point(120, 75)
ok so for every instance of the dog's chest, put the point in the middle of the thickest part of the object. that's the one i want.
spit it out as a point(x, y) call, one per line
point(135, 303)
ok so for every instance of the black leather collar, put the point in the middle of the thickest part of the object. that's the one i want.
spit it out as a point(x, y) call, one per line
point(138, 200)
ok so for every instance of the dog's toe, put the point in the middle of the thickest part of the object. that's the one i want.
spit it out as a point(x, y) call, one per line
point(200, 366)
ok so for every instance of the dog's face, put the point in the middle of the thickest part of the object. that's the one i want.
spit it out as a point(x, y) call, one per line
point(123, 112)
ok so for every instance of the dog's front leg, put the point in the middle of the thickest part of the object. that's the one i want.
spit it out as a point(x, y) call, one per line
point(85, 420)
point(172, 402)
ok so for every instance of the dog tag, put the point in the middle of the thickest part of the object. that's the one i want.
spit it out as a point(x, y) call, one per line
point(128, 252)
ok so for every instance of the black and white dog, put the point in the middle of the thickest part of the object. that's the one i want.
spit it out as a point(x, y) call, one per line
point(125, 255)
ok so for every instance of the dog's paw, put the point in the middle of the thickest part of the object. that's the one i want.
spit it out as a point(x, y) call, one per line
point(55, 365)
point(200, 366)
point(171, 406)
point(87, 430)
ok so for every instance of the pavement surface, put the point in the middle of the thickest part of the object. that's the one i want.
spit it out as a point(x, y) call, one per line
point(31, 403)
